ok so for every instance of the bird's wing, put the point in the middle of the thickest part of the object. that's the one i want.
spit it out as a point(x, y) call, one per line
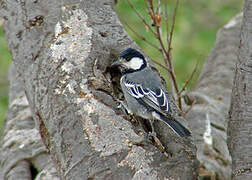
point(154, 98)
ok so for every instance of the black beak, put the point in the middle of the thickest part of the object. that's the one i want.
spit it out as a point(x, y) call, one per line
point(116, 63)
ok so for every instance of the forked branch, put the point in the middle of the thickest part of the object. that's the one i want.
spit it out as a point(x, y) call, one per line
point(155, 13)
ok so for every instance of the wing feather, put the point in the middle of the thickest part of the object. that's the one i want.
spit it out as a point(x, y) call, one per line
point(155, 99)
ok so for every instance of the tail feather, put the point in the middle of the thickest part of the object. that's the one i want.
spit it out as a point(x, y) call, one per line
point(175, 126)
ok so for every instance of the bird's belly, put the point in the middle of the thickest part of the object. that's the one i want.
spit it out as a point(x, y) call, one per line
point(138, 109)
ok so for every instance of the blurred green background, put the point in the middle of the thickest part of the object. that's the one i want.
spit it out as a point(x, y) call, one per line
point(196, 25)
point(5, 60)
point(197, 22)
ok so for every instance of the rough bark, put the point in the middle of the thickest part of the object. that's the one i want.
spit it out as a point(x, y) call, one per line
point(211, 96)
point(61, 51)
point(240, 120)
point(22, 153)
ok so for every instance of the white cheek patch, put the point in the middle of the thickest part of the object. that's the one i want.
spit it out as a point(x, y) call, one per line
point(134, 63)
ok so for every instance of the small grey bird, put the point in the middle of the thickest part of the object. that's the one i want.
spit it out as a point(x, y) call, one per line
point(143, 91)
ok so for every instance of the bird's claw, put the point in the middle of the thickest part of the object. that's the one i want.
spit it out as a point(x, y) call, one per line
point(124, 106)
point(119, 106)
point(156, 140)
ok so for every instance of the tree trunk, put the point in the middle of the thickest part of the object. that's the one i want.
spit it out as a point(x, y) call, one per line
point(211, 96)
point(240, 120)
point(61, 52)
point(22, 153)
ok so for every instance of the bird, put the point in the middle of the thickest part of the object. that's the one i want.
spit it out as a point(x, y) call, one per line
point(143, 92)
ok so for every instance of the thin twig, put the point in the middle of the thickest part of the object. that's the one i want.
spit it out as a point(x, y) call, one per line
point(141, 37)
point(169, 55)
point(151, 12)
point(161, 65)
point(166, 23)
point(141, 17)
point(166, 55)
point(158, 7)
point(189, 109)
point(190, 78)
point(155, 16)
point(173, 26)
point(168, 60)
point(158, 32)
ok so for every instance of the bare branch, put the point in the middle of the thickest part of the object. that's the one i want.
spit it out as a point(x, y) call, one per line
point(166, 54)
point(189, 109)
point(166, 23)
point(161, 65)
point(141, 17)
point(173, 26)
point(190, 78)
point(155, 16)
point(158, 7)
point(141, 37)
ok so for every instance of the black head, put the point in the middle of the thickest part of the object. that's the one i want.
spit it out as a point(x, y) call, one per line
point(130, 53)
point(130, 60)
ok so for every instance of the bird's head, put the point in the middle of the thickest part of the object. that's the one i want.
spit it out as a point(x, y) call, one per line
point(130, 60)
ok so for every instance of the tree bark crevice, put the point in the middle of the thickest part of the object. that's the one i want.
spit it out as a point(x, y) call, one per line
point(240, 115)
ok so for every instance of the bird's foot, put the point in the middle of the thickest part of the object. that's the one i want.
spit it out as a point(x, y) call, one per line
point(159, 145)
point(124, 106)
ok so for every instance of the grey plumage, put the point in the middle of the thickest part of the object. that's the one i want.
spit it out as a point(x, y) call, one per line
point(143, 91)
point(133, 103)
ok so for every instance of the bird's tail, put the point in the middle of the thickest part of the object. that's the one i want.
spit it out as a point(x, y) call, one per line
point(175, 126)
